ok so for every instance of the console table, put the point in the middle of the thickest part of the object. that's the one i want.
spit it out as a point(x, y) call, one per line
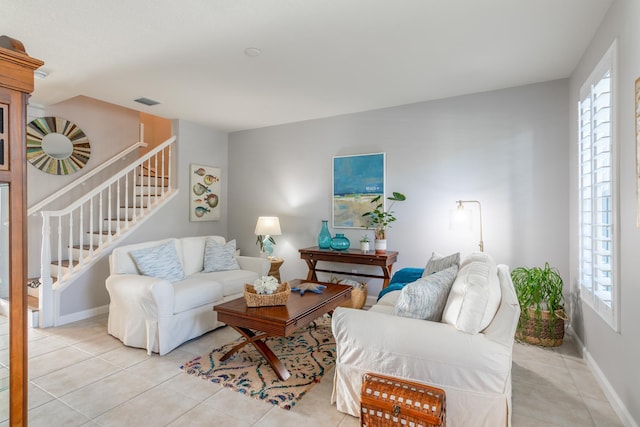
point(351, 256)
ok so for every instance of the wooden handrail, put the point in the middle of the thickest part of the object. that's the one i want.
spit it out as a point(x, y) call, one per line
point(115, 178)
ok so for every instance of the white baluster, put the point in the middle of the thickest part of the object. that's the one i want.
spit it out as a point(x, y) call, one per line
point(91, 230)
point(164, 187)
point(169, 166)
point(149, 183)
point(45, 294)
point(135, 198)
point(126, 199)
point(100, 222)
point(80, 238)
point(70, 244)
point(59, 252)
point(155, 174)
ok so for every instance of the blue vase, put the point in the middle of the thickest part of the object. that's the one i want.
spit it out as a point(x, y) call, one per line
point(324, 238)
point(340, 243)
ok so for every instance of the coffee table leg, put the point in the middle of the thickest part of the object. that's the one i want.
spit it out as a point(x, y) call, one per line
point(257, 341)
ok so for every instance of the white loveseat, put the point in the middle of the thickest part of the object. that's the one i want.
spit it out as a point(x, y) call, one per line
point(474, 369)
point(159, 315)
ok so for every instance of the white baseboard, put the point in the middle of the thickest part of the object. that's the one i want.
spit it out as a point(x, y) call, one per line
point(613, 398)
point(81, 315)
point(32, 316)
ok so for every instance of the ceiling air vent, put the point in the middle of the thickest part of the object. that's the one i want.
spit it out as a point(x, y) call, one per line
point(147, 101)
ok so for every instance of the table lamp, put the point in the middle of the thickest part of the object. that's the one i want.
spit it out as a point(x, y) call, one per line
point(266, 227)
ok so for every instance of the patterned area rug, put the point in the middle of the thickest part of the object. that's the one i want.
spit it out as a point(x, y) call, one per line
point(307, 354)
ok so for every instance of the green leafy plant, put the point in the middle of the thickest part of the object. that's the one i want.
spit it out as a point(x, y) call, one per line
point(365, 239)
point(539, 292)
point(379, 219)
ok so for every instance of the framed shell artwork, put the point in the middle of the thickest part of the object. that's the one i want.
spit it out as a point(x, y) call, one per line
point(204, 196)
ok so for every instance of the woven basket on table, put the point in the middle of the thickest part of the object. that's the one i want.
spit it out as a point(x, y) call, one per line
point(279, 297)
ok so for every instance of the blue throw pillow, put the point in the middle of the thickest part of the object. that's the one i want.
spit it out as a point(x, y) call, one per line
point(400, 279)
point(219, 257)
point(159, 261)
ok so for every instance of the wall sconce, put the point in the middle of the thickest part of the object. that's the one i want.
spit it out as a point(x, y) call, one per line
point(266, 227)
point(463, 217)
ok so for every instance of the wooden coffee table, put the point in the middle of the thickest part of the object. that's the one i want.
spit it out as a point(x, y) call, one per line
point(256, 324)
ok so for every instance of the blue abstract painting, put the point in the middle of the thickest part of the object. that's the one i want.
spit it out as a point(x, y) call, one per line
point(356, 180)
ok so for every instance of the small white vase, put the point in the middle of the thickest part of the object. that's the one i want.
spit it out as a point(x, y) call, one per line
point(364, 246)
point(381, 246)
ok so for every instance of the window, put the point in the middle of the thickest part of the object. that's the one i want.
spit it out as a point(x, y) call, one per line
point(597, 190)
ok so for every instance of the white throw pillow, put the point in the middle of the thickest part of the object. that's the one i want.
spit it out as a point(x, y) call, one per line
point(219, 257)
point(475, 295)
point(426, 297)
point(438, 262)
point(159, 261)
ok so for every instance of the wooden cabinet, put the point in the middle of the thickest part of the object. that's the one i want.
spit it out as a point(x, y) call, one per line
point(16, 83)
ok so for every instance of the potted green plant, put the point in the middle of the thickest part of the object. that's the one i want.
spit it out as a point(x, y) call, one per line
point(364, 243)
point(542, 315)
point(380, 219)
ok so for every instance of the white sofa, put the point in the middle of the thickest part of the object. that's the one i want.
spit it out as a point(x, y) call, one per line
point(474, 369)
point(158, 315)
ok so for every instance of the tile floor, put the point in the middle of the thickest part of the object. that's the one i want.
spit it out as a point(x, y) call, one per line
point(81, 376)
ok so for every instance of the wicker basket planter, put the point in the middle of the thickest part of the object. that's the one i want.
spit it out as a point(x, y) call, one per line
point(279, 297)
point(544, 330)
point(542, 316)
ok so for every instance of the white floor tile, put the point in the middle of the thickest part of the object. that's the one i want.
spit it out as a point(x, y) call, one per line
point(101, 382)
point(156, 407)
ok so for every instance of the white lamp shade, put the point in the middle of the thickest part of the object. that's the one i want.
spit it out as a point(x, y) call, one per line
point(268, 226)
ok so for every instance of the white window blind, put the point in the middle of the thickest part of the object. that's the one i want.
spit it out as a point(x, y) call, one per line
point(597, 202)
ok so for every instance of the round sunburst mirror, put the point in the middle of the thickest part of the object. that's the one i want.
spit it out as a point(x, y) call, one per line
point(57, 146)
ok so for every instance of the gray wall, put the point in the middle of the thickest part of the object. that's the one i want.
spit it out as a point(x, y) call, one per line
point(506, 148)
point(613, 355)
point(203, 146)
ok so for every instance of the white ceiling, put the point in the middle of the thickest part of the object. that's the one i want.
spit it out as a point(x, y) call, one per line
point(319, 58)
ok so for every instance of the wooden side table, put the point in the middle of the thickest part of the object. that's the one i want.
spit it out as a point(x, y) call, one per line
point(275, 268)
point(351, 256)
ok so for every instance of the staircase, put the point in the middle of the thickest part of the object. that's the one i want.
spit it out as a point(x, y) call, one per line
point(76, 237)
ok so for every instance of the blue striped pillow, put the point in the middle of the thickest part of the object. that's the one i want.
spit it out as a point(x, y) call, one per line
point(438, 262)
point(426, 297)
point(219, 257)
point(159, 261)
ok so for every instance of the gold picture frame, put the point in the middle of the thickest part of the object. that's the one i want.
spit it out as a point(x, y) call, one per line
point(637, 116)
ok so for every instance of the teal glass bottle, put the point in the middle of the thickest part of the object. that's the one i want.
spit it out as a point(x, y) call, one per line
point(324, 238)
point(340, 242)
